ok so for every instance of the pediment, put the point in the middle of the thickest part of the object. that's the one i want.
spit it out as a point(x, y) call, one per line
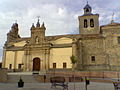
point(20, 44)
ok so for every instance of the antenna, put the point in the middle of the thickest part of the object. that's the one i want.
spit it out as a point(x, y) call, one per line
point(112, 20)
point(87, 1)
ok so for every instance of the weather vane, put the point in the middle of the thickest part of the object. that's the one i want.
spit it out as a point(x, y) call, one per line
point(38, 17)
point(87, 1)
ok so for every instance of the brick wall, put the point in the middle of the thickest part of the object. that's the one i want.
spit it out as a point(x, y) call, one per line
point(97, 74)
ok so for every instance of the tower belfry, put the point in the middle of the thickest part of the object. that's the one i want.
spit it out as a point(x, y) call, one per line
point(88, 22)
point(38, 33)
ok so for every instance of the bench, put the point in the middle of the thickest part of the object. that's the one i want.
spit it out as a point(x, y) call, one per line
point(58, 81)
point(116, 85)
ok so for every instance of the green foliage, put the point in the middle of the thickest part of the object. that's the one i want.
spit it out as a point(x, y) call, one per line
point(73, 59)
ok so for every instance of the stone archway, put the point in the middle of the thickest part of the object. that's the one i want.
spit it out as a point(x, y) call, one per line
point(36, 64)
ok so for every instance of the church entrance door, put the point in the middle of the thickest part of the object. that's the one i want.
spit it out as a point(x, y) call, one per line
point(36, 64)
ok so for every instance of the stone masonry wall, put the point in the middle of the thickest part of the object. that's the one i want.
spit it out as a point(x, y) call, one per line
point(3, 75)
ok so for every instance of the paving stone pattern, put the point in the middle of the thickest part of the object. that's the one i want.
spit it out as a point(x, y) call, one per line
point(47, 86)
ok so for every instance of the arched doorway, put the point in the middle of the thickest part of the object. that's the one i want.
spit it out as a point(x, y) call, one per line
point(36, 64)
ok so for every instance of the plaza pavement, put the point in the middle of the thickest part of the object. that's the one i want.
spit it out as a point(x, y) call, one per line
point(47, 86)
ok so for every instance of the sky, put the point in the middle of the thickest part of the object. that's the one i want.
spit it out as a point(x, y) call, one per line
point(60, 16)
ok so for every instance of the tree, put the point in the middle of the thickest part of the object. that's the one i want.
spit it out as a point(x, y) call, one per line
point(73, 61)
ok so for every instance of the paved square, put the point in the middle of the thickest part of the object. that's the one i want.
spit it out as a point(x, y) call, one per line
point(47, 86)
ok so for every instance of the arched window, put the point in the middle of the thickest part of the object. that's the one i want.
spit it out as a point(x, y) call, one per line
point(87, 10)
point(85, 23)
point(91, 23)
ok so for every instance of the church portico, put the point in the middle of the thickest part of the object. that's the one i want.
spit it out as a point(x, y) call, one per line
point(30, 60)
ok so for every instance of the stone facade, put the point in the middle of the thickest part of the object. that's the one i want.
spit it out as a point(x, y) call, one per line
point(96, 47)
point(3, 75)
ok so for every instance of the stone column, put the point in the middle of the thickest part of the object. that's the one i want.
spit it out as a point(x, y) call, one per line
point(31, 63)
point(42, 64)
point(47, 58)
point(28, 63)
point(4, 58)
point(15, 60)
point(24, 61)
point(80, 55)
point(74, 47)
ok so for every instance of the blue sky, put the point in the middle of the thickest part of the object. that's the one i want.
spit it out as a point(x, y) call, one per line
point(60, 16)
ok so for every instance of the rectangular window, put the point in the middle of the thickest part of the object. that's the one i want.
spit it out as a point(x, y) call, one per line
point(54, 65)
point(64, 65)
point(93, 58)
point(10, 66)
point(19, 66)
point(119, 39)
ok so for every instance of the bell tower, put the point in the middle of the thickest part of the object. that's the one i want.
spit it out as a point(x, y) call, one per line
point(37, 33)
point(88, 22)
point(13, 34)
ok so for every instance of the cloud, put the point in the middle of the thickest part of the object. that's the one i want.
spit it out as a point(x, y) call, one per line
point(55, 15)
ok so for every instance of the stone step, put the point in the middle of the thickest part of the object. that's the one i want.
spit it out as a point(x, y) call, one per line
point(25, 73)
point(25, 78)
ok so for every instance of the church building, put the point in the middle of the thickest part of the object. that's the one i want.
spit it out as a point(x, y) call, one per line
point(95, 47)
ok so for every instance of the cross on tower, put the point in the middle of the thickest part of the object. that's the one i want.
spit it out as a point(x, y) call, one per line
point(38, 17)
point(38, 23)
point(87, 1)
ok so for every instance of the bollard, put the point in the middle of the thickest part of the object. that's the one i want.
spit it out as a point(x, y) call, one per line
point(44, 78)
point(87, 81)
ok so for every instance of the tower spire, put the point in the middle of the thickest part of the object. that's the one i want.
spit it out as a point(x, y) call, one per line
point(32, 27)
point(43, 26)
point(87, 9)
point(87, 1)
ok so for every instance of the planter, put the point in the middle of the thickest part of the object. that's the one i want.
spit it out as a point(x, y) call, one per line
point(20, 83)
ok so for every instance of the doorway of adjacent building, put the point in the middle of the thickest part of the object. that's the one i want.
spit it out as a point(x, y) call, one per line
point(36, 64)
